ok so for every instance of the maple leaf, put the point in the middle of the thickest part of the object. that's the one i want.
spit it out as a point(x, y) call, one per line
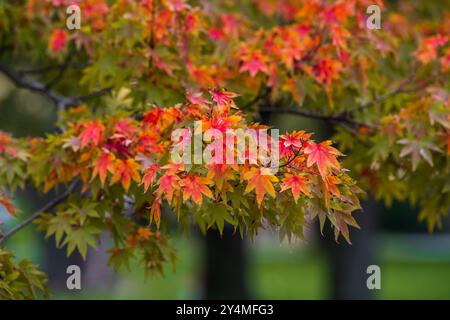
point(297, 184)
point(327, 70)
point(261, 182)
point(92, 134)
point(125, 127)
point(253, 63)
point(173, 168)
point(339, 36)
point(331, 183)
point(80, 239)
point(196, 98)
point(155, 211)
point(149, 176)
point(73, 143)
point(58, 40)
point(168, 184)
point(6, 202)
point(177, 5)
point(289, 55)
point(220, 173)
point(417, 150)
point(5, 140)
point(153, 116)
point(293, 140)
point(124, 171)
point(194, 187)
point(103, 164)
point(223, 97)
point(447, 137)
point(83, 211)
point(323, 155)
point(428, 48)
point(144, 233)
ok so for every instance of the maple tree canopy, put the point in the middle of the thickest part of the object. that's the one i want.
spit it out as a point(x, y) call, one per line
point(137, 70)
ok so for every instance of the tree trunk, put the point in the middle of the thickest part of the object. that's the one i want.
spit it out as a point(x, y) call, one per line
point(348, 263)
point(226, 276)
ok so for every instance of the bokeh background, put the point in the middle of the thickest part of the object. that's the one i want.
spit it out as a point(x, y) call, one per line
point(414, 264)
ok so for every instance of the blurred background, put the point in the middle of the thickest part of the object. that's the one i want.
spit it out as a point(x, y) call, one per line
point(414, 264)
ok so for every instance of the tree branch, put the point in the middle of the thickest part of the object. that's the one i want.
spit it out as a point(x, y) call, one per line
point(34, 216)
point(318, 116)
point(51, 68)
point(61, 72)
point(61, 101)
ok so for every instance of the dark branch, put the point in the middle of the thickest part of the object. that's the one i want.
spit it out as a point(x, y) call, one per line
point(49, 68)
point(49, 206)
point(61, 101)
point(318, 116)
point(61, 72)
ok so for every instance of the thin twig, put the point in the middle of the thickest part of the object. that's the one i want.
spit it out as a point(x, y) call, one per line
point(61, 72)
point(34, 216)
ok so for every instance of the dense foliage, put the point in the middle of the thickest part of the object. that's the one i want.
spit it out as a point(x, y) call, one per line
point(138, 70)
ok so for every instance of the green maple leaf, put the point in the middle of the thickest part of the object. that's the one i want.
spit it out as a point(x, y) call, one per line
point(80, 239)
point(87, 209)
point(418, 149)
point(59, 225)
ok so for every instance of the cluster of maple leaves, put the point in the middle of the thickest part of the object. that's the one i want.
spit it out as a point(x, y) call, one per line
point(135, 155)
point(127, 174)
point(385, 92)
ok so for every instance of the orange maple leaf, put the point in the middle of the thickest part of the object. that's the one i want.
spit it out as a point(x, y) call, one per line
point(103, 164)
point(297, 183)
point(194, 187)
point(323, 155)
point(144, 233)
point(220, 173)
point(155, 212)
point(260, 182)
point(125, 170)
point(168, 183)
point(6, 202)
point(149, 176)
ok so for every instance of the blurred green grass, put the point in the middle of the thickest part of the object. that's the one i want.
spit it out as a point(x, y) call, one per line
point(278, 272)
point(412, 267)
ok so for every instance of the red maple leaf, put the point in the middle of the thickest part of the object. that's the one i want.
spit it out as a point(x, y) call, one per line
point(103, 164)
point(149, 176)
point(92, 134)
point(58, 40)
point(196, 98)
point(254, 62)
point(223, 97)
point(125, 127)
point(168, 184)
